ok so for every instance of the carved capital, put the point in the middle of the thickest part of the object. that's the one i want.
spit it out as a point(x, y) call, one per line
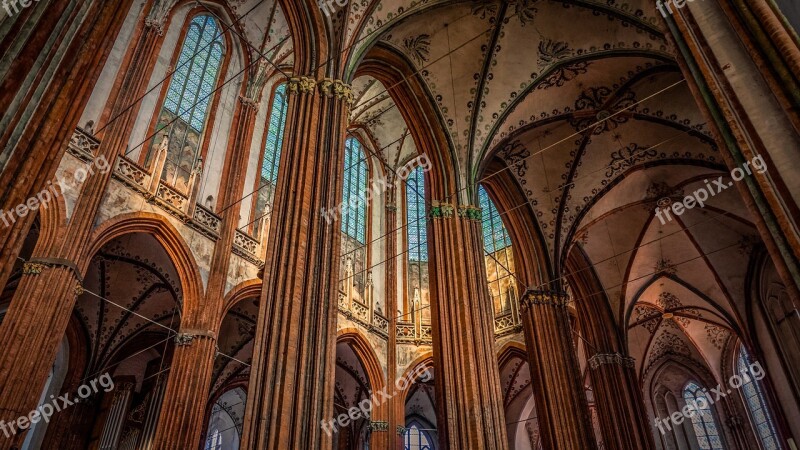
point(601, 359)
point(441, 210)
point(185, 339)
point(338, 89)
point(301, 85)
point(248, 102)
point(470, 212)
point(381, 426)
point(155, 24)
point(32, 268)
point(542, 297)
point(78, 290)
point(401, 430)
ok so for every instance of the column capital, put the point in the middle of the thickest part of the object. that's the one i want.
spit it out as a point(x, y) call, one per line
point(441, 210)
point(543, 297)
point(470, 212)
point(380, 425)
point(337, 88)
point(301, 85)
point(248, 102)
point(619, 359)
point(37, 265)
point(185, 338)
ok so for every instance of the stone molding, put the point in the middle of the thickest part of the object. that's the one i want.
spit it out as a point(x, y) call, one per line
point(338, 89)
point(470, 212)
point(185, 338)
point(381, 426)
point(441, 210)
point(544, 297)
point(301, 85)
point(619, 359)
point(37, 265)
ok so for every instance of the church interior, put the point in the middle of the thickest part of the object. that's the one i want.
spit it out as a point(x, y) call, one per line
point(399, 224)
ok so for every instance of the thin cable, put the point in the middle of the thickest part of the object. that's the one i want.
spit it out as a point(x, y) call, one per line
point(528, 202)
point(169, 74)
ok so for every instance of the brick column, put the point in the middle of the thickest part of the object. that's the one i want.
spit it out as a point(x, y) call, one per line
point(181, 421)
point(620, 406)
point(39, 134)
point(468, 395)
point(561, 405)
point(388, 438)
point(292, 376)
point(43, 302)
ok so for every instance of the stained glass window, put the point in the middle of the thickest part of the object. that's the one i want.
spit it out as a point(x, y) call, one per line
point(274, 141)
point(356, 173)
point(705, 428)
point(499, 257)
point(183, 115)
point(756, 404)
point(415, 214)
point(417, 439)
point(265, 191)
point(416, 306)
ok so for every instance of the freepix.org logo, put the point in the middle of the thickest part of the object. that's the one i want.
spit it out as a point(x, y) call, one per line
point(56, 404)
point(704, 401)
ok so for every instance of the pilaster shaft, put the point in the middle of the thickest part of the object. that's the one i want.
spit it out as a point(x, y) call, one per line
point(292, 376)
point(561, 405)
point(468, 394)
point(620, 406)
point(186, 394)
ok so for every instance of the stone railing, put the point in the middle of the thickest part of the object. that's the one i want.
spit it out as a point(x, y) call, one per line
point(381, 324)
point(506, 323)
point(414, 333)
point(246, 246)
point(82, 144)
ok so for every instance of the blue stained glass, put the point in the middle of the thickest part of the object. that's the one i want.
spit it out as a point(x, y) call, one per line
point(197, 71)
point(703, 424)
point(417, 232)
point(356, 175)
point(274, 141)
point(756, 404)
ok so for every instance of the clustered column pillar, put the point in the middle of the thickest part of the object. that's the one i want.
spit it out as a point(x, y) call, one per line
point(561, 406)
point(44, 300)
point(292, 375)
point(468, 395)
point(389, 438)
point(181, 423)
point(619, 402)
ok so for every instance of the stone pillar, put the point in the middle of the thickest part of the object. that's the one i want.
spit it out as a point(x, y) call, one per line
point(37, 136)
point(292, 375)
point(468, 395)
point(180, 421)
point(561, 406)
point(43, 302)
point(620, 406)
point(181, 424)
point(396, 405)
point(116, 416)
